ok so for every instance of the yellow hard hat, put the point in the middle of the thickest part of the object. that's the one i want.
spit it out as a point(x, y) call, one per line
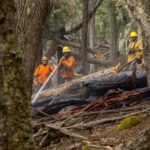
point(44, 58)
point(66, 49)
point(133, 34)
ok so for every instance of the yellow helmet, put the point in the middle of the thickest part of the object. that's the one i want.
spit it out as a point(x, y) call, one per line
point(133, 34)
point(44, 58)
point(66, 49)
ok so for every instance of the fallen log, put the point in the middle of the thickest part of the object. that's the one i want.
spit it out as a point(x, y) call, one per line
point(119, 100)
point(100, 82)
point(76, 83)
point(121, 80)
point(81, 91)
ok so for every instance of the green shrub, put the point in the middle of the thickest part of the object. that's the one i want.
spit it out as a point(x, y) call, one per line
point(128, 122)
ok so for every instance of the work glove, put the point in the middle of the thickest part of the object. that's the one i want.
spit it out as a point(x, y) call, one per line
point(62, 59)
point(131, 51)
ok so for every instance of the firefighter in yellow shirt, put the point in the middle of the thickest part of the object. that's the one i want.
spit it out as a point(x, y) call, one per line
point(135, 53)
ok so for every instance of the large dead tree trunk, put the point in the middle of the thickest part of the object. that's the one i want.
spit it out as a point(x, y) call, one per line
point(113, 33)
point(82, 91)
point(112, 90)
point(84, 36)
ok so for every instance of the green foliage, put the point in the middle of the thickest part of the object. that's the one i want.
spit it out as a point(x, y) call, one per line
point(128, 122)
point(86, 147)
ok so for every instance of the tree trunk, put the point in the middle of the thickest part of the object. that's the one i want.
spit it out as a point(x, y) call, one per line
point(16, 68)
point(84, 37)
point(139, 10)
point(40, 54)
point(92, 35)
point(15, 126)
point(59, 56)
point(113, 33)
point(29, 32)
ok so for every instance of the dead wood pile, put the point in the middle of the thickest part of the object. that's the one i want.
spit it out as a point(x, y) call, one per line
point(73, 112)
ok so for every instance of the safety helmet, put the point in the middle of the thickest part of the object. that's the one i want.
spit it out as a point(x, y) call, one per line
point(133, 34)
point(66, 49)
point(44, 58)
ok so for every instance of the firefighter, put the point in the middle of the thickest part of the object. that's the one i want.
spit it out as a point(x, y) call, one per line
point(135, 53)
point(67, 65)
point(42, 72)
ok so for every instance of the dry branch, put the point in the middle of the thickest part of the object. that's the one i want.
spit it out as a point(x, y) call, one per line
point(91, 13)
point(66, 132)
point(104, 121)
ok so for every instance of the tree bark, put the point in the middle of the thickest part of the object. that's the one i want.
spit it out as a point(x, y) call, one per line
point(97, 84)
point(113, 99)
point(113, 33)
point(31, 15)
point(40, 54)
point(139, 10)
point(16, 68)
point(84, 37)
point(92, 35)
point(15, 126)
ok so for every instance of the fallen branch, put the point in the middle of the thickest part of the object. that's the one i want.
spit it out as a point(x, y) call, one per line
point(74, 146)
point(126, 98)
point(43, 113)
point(43, 140)
point(66, 132)
point(101, 112)
point(104, 121)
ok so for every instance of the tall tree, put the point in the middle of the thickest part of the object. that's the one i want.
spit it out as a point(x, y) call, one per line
point(139, 10)
point(113, 33)
point(31, 15)
point(17, 60)
point(92, 34)
point(84, 36)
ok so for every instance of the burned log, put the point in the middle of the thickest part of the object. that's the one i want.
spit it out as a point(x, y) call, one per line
point(89, 90)
point(121, 80)
point(98, 83)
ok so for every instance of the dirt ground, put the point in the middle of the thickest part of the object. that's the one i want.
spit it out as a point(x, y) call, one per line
point(106, 136)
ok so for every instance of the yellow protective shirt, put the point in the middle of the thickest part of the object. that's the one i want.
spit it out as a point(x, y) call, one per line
point(138, 47)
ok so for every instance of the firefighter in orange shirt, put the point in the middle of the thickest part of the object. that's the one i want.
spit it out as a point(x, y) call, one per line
point(42, 72)
point(67, 65)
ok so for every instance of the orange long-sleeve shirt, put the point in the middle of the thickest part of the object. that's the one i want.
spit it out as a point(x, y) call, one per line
point(42, 72)
point(68, 66)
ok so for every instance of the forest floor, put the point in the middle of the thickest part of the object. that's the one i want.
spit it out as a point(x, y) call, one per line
point(92, 126)
point(100, 136)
